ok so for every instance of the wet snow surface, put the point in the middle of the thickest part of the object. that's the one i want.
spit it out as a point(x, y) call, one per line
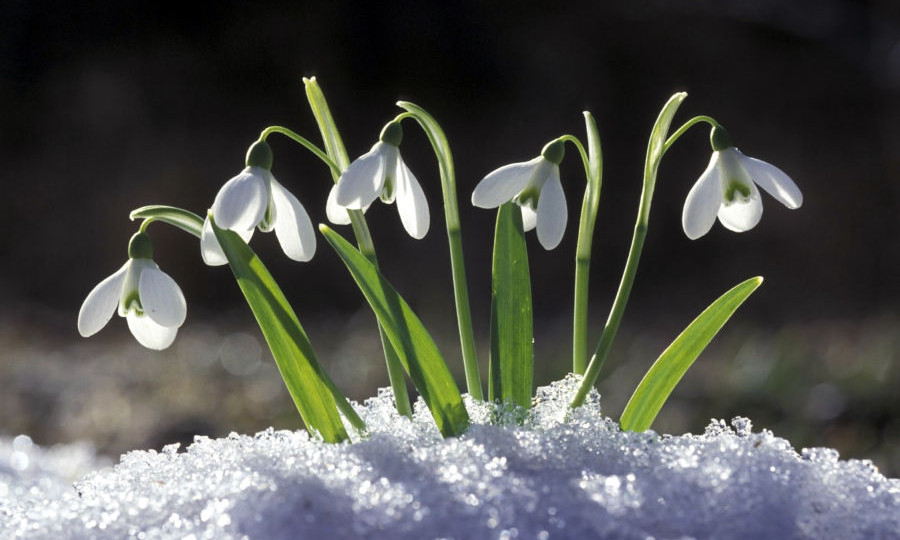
point(553, 477)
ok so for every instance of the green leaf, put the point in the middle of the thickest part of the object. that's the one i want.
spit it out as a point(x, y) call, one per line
point(668, 369)
point(512, 333)
point(177, 217)
point(417, 351)
point(307, 383)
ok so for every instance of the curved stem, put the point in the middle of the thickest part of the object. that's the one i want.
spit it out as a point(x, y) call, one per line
point(303, 142)
point(593, 169)
point(686, 126)
point(338, 162)
point(454, 234)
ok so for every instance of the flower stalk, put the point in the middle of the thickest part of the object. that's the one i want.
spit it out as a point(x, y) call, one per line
point(454, 236)
point(337, 154)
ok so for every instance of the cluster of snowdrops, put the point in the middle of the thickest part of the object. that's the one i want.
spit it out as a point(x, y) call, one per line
point(527, 195)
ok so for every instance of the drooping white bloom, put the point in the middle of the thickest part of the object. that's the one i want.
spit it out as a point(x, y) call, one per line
point(534, 186)
point(727, 189)
point(381, 173)
point(147, 297)
point(254, 199)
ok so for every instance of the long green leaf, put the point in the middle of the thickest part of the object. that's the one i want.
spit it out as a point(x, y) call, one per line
point(307, 383)
point(417, 351)
point(512, 332)
point(668, 369)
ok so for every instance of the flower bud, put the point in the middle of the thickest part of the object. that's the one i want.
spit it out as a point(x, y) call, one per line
point(260, 155)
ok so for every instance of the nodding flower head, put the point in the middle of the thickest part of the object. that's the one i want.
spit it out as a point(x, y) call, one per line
point(147, 297)
point(535, 186)
point(727, 189)
point(381, 173)
point(254, 199)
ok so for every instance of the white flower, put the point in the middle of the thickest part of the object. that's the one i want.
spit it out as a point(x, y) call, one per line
point(254, 199)
point(381, 173)
point(146, 296)
point(727, 189)
point(535, 186)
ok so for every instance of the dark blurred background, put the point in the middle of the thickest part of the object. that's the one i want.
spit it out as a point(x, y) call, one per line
point(107, 106)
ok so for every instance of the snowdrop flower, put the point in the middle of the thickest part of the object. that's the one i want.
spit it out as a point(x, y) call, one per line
point(146, 296)
point(381, 173)
point(254, 199)
point(535, 186)
point(728, 189)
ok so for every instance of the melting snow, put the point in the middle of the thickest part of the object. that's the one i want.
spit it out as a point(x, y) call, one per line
point(557, 476)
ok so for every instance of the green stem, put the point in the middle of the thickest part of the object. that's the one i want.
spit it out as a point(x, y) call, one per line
point(303, 142)
point(339, 161)
point(655, 150)
point(454, 235)
point(593, 168)
point(686, 126)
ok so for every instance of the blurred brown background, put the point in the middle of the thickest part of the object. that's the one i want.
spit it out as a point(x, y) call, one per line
point(107, 106)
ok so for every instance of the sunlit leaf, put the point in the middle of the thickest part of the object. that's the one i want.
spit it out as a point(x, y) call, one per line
point(654, 390)
point(307, 383)
point(512, 344)
point(414, 346)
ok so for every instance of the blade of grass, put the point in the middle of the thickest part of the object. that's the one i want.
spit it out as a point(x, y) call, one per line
point(512, 344)
point(310, 387)
point(414, 346)
point(653, 391)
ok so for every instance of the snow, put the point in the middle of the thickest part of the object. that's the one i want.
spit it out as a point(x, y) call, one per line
point(545, 475)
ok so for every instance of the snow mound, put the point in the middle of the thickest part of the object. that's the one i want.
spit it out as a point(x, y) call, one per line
point(542, 475)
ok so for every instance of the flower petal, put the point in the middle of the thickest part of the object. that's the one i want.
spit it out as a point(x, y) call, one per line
point(149, 334)
point(744, 213)
point(241, 203)
point(101, 302)
point(363, 180)
point(703, 201)
point(529, 218)
point(411, 202)
point(552, 212)
point(503, 184)
point(336, 213)
point(293, 228)
point(160, 296)
point(210, 249)
point(775, 181)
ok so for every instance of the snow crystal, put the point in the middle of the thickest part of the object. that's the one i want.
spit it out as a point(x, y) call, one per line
point(545, 474)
